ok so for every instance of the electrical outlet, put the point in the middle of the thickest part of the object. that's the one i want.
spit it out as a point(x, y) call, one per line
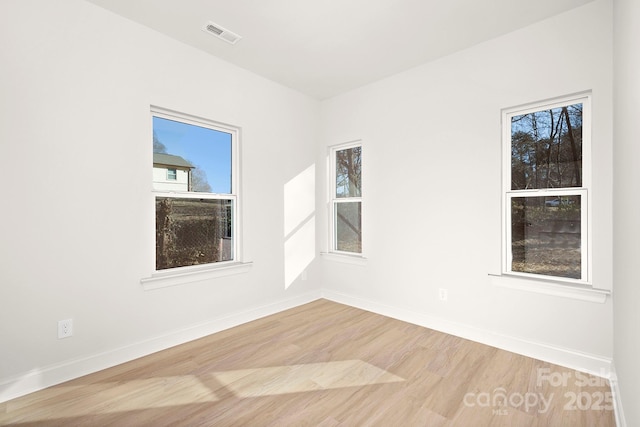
point(65, 328)
point(443, 294)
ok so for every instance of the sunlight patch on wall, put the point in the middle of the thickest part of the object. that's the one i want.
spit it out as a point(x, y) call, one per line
point(299, 224)
point(299, 251)
point(299, 199)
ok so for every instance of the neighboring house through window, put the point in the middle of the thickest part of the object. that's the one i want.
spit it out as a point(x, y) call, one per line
point(195, 181)
point(547, 180)
point(171, 172)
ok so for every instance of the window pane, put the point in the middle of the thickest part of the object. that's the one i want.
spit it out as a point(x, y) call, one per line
point(200, 156)
point(546, 148)
point(348, 172)
point(193, 231)
point(348, 227)
point(546, 235)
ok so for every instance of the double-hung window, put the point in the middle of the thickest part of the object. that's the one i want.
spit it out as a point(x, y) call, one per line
point(196, 190)
point(546, 170)
point(346, 199)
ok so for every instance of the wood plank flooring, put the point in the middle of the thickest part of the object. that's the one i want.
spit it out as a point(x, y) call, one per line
point(323, 364)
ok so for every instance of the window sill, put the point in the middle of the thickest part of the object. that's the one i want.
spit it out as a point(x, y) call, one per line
point(184, 275)
point(344, 258)
point(549, 287)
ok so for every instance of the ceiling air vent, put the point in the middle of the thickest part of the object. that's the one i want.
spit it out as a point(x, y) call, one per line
point(221, 32)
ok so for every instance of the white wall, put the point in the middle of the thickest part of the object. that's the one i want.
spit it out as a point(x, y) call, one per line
point(627, 205)
point(432, 189)
point(77, 83)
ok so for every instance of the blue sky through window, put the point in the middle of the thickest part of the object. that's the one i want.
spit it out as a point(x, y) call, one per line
point(207, 149)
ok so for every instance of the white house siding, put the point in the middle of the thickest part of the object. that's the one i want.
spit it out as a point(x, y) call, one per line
point(160, 181)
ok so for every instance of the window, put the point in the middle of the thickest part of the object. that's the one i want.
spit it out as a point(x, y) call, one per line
point(346, 199)
point(546, 188)
point(195, 186)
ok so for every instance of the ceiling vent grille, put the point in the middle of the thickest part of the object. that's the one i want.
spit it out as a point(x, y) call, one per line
point(221, 32)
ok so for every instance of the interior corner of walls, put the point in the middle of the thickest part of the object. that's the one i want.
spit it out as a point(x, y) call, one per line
point(570, 358)
point(617, 401)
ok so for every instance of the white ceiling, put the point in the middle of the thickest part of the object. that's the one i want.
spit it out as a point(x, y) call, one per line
point(327, 47)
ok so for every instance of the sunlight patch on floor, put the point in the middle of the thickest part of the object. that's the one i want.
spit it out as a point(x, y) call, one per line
point(300, 378)
point(78, 400)
point(111, 397)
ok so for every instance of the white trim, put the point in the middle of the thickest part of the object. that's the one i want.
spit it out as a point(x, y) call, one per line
point(617, 402)
point(40, 378)
point(333, 200)
point(344, 258)
point(173, 176)
point(586, 212)
point(177, 276)
point(191, 119)
point(584, 230)
point(51, 375)
point(548, 286)
point(184, 275)
point(193, 195)
point(589, 363)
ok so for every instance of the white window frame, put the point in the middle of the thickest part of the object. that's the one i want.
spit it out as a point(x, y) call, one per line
point(186, 274)
point(172, 174)
point(583, 191)
point(334, 200)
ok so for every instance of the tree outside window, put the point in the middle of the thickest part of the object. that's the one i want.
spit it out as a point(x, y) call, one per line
point(347, 199)
point(546, 195)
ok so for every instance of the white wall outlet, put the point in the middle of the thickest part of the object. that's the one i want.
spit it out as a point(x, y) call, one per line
point(65, 328)
point(303, 275)
point(443, 294)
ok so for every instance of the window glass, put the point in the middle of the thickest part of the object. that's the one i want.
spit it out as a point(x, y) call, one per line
point(546, 186)
point(349, 172)
point(546, 235)
point(348, 227)
point(193, 231)
point(546, 148)
point(346, 209)
point(202, 154)
point(195, 203)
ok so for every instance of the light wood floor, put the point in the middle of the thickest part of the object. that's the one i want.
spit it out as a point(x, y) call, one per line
point(323, 364)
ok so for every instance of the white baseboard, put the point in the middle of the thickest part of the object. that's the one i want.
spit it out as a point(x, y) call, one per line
point(38, 379)
point(617, 403)
point(593, 364)
point(41, 378)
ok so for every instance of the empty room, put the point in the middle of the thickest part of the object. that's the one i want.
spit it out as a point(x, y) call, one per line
point(336, 213)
